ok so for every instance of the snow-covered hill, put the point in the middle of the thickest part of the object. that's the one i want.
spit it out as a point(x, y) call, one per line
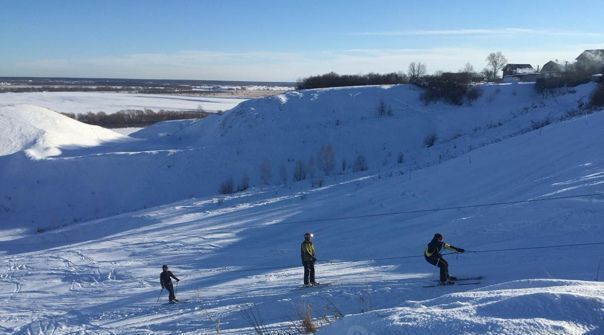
point(267, 141)
point(41, 132)
point(522, 196)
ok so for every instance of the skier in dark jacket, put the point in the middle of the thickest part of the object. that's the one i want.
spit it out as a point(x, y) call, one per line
point(433, 256)
point(166, 282)
point(307, 253)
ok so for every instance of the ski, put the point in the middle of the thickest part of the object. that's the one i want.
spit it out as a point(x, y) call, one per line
point(465, 279)
point(180, 301)
point(315, 286)
point(454, 284)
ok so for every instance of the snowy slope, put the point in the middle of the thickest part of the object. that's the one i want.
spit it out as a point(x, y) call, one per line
point(42, 133)
point(186, 160)
point(543, 307)
point(240, 253)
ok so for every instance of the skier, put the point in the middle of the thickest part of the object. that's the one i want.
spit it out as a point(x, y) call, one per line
point(307, 252)
point(166, 282)
point(433, 256)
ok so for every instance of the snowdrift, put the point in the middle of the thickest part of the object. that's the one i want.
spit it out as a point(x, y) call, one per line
point(41, 132)
point(539, 307)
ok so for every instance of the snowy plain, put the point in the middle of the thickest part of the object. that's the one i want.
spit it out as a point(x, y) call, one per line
point(84, 102)
point(507, 175)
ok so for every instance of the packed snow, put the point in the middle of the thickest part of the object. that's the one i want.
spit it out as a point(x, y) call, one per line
point(530, 306)
point(515, 178)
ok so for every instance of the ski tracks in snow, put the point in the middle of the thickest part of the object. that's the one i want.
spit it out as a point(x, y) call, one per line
point(7, 277)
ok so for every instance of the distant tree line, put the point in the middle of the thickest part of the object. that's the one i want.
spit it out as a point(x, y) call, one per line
point(333, 79)
point(135, 118)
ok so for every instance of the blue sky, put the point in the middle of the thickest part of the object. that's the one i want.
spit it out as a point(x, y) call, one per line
point(284, 40)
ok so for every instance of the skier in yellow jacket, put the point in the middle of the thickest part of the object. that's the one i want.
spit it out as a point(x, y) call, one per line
point(307, 253)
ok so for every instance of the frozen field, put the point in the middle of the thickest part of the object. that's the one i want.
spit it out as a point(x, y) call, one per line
point(84, 102)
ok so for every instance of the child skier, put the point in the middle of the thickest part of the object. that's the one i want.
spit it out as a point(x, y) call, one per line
point(166, 282)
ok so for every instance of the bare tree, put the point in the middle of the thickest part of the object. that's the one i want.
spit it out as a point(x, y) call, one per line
point(416, 70)
point(468, 68)
point(326, 159)
point(265, 172)
point(495, 62)
point(360, 164)
point(245, 183)
point(283, 174)
point(300, 171)
point(227, 186)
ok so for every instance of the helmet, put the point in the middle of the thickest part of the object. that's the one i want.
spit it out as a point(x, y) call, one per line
point(307, 235)
point(438, 236)
point(165, 267)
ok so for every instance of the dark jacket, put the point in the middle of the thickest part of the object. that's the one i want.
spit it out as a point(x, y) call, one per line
point(307, 252)
point(164, 278)
point(434, 248)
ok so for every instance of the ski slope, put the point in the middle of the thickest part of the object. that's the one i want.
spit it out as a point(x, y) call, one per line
point(238, 255)
point(174, 162)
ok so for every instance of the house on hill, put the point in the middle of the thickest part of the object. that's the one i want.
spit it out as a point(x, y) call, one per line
point(519, 72)
point(591, 60)
point(551, 67)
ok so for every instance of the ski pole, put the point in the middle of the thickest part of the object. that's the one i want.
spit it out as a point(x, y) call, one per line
point(160, 292)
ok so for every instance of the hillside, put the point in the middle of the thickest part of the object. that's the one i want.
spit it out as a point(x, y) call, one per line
point(238, 255)
point(264, 141)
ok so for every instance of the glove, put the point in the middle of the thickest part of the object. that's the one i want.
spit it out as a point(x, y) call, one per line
point(177, 280)
point(460, 250)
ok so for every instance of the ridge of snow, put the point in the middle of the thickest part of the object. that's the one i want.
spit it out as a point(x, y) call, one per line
point(41, 132)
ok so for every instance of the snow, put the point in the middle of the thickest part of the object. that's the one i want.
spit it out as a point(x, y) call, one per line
point(84, 102)
point(193, 159)
point(41, 133)
point(109, 216)
point(538, 306)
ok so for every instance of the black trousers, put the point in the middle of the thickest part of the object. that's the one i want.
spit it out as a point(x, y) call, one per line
point(442, 264)
point(309, 272)
point(170, 290)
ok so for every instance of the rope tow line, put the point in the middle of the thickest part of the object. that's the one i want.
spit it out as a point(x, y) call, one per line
point(439, 209)
point(283, 267)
